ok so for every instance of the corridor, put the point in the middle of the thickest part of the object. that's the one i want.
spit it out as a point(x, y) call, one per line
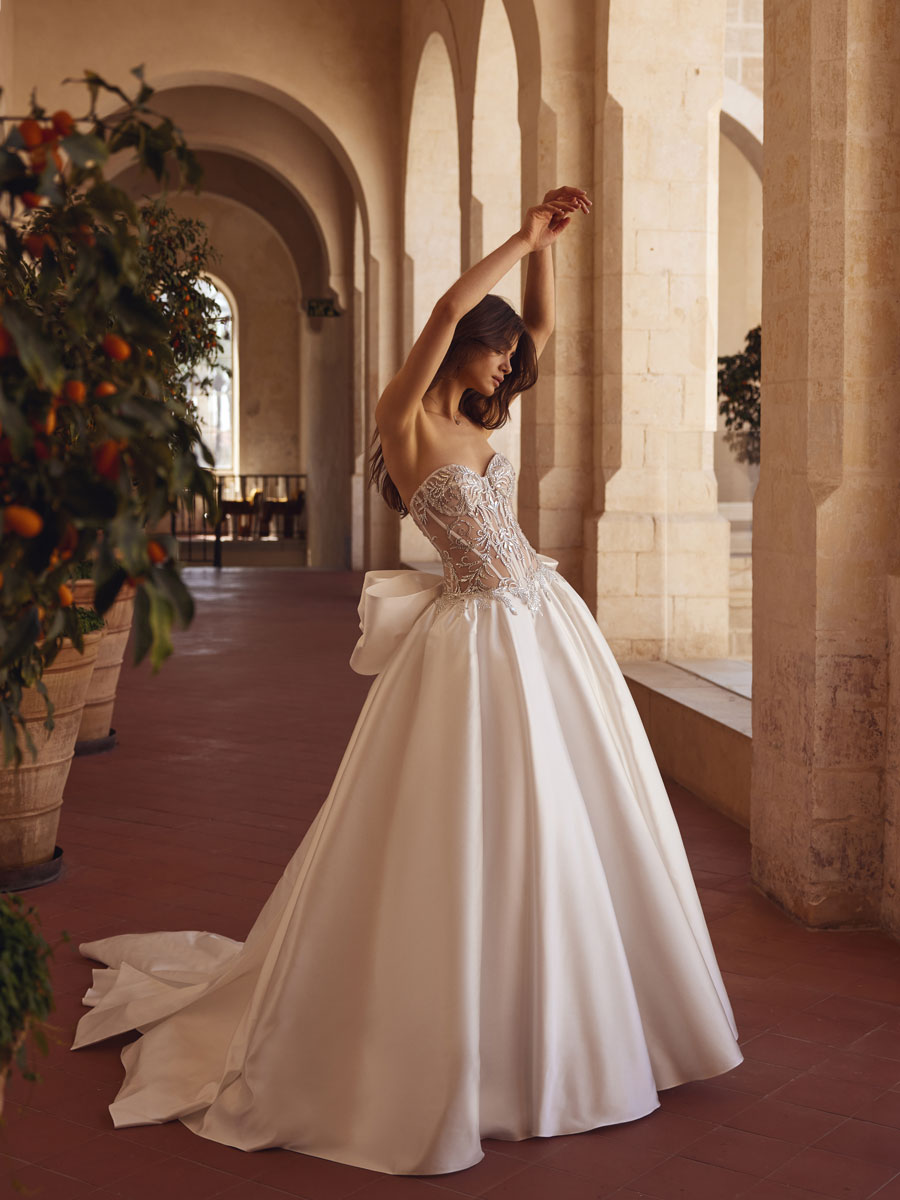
point(223, 759)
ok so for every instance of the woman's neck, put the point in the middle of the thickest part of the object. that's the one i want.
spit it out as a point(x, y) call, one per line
point(444, 397)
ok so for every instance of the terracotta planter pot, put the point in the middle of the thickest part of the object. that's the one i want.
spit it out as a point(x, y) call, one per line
point(96, 720)
point(31, 795)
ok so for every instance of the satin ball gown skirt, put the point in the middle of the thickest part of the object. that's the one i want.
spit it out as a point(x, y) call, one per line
point(490, 928)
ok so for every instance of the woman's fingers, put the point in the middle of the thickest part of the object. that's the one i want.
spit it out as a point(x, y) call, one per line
point(576, 197)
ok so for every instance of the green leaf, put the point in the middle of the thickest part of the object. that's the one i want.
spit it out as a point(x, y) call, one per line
point(169, 580)
point(161, 614)
point(21, 637)
point(11, 168)
point(143, 634)
point(11, 750)
point(107, 591)
point(12, 420)
point(37, 353)
point(48, 185)
point(84, 149)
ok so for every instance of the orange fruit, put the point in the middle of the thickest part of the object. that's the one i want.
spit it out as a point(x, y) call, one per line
point(66, 599)
point(76, 391)
point(31, 133)
point(106, 388)
point(50, 424)
point(37, 243)
point(156, 552)
point(63, 122)
point(23, 521)
point(116, 347)
point(106, 459)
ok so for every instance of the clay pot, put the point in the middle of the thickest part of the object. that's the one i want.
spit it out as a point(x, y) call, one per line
point(31, 795)
point(96, 720)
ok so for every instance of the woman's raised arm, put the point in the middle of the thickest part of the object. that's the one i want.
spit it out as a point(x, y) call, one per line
point(402, 398)
point(539, 304)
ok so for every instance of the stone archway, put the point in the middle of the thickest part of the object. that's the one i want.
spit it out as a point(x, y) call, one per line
point(298, 394)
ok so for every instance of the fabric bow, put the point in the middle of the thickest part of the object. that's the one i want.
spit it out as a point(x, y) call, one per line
point(389, 605)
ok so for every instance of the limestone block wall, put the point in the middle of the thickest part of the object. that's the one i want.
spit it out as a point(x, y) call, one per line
point(744, 43)
point(826, 536)
point(656, 549)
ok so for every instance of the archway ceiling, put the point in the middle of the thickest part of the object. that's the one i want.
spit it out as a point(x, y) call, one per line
point(242, 126)
point(249, 184)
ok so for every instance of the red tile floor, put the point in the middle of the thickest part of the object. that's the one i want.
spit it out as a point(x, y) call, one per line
point(224, 757)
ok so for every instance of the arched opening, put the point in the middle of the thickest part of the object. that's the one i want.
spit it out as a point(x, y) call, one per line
point(432, 214)
point(215, 394)
point(497, 172)
point(282, 212)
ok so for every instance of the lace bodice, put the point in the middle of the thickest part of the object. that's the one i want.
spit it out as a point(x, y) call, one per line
point(469, 520)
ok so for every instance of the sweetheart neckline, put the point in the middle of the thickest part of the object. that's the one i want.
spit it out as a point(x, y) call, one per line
point(462, 466)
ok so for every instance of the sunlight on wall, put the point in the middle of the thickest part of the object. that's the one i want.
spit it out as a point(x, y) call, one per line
point(432, 229)
point(432, 182)
point(497, 175)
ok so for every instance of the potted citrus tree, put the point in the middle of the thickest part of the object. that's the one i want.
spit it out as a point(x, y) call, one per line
point(98, 441)
point(175, 257)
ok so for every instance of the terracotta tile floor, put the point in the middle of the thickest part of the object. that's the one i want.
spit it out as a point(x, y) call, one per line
point(223, 760)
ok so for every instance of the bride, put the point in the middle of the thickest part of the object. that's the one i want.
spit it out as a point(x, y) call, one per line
point(490, 928)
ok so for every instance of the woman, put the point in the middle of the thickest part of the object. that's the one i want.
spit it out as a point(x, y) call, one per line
point(490, 928)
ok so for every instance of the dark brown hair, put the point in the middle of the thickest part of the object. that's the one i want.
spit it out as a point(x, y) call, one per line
point(493, 323)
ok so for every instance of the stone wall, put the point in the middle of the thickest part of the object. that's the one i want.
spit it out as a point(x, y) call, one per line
point(656, 561)
point(826, 535)
point(744, 43)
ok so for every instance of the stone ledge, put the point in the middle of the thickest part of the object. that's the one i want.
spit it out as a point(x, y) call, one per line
point(700, 732)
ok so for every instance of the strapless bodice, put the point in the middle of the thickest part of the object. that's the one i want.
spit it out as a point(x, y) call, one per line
point(469, 520)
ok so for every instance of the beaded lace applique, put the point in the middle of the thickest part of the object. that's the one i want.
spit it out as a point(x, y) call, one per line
point(468, 518)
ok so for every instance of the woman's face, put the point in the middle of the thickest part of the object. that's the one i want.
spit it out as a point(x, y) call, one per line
point(487, 368)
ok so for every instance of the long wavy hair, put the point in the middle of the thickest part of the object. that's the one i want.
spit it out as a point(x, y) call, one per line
point(497, 325)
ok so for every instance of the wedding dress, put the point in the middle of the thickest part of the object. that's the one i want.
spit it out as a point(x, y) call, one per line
point(490, 928)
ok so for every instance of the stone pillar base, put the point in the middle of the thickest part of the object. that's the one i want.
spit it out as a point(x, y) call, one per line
point(818, 906)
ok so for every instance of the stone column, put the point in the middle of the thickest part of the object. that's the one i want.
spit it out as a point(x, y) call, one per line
point(555, 477)
point(826, 534)
point(656, 549)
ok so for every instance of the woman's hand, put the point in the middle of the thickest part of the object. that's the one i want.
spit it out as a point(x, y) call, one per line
point(545, 221)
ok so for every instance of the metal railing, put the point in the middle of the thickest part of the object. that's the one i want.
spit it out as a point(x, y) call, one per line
point(252, 508)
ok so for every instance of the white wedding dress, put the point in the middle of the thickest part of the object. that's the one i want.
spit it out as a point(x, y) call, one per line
point(490, 928)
